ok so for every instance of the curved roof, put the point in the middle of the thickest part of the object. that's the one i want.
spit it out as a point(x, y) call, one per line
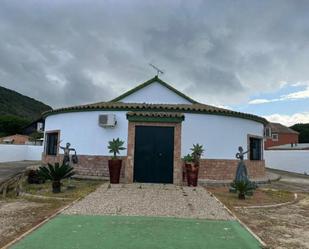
point(185, 108)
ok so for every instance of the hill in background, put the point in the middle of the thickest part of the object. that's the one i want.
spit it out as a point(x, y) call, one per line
point(303, 130)
point(16, 104)
point(17, 111)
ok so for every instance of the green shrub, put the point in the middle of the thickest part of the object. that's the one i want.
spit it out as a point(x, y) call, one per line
point(56, 173)
point(243, 188)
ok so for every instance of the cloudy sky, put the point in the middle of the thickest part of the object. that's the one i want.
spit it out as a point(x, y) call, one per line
point(250, 56)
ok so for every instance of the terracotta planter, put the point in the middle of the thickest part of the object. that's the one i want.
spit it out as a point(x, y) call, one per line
point(114, 167)
point(192, 174)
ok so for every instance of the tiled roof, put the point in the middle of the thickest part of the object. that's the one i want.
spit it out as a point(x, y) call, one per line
point(136, 107)
point(280, 128)
point(157, 114)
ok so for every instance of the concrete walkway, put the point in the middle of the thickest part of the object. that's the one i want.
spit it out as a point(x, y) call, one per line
point(10, 169)
point(129, 232)
point(151, 200)
point(138, 216)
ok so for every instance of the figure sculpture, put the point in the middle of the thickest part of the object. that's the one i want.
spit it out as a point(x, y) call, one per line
point(66, 152)
point(241, 172)
point(67, 160)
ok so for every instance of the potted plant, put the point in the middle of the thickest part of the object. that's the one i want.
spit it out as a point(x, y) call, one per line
point(56, 173)
point(243, 188)
point(188, 160)
point(193, 166)
point(114, 164)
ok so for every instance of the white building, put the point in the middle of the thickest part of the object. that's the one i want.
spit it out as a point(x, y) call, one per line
point(159, 125)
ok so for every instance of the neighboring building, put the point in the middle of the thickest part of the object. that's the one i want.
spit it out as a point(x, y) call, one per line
point(36, 132)
point(14, 139)
point(159, 125)
point(277, 134)
point(36, 126)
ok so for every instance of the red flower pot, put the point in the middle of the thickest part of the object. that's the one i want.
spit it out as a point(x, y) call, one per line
point(114, 167)
point(192, 174)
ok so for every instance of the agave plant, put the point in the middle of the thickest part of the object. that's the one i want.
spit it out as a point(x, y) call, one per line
point(56, 173)
point(115, 146)
point(243, 188)
point(197, 152)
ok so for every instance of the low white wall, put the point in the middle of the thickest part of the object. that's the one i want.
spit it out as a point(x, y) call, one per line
point(12, 152)
point(294, 161)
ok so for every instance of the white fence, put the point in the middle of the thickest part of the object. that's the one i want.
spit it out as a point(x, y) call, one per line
point(289, 160)
point(13, 152)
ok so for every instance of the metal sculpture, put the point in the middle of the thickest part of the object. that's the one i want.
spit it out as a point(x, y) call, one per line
point(241, 172)
point(66, 156)
point(241, 175)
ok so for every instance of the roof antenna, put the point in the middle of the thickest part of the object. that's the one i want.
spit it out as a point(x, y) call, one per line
point(159, 71)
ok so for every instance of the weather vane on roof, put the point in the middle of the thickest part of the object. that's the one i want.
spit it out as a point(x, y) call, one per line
point(159, 71)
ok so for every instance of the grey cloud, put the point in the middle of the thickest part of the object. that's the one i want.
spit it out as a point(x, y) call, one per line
point(74, 52)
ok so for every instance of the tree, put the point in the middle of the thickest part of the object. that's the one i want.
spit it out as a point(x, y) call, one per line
point(10, 125)
point(36, 136)
point(303, 130)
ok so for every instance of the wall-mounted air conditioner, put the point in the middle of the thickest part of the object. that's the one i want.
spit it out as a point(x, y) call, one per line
point(107, 120)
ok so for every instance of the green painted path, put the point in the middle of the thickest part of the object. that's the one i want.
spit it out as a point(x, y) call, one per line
point(125, 232)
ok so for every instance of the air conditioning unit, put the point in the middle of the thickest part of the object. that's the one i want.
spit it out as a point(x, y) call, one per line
point(107, 120)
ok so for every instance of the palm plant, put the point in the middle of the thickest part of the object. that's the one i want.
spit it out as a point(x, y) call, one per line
point(243, 188)
point(197, 152)
point(56, 173)
point(115, 146)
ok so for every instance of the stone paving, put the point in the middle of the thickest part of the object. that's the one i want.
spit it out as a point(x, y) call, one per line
point(151, 200)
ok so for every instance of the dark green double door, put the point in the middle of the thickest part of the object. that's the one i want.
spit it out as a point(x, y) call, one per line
point(154, 154)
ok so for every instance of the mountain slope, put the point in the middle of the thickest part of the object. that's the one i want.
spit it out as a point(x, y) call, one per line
point(15, 104)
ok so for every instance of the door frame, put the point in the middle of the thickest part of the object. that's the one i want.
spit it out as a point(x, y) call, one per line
point(177, 169)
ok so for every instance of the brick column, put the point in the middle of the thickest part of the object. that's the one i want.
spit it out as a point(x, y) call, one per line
point(177, 169)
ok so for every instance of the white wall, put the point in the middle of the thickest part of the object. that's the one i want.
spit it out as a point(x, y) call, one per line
point(82, 130)
point(220, 135)
point(12, 152)
point(293, 161)
point(155, 93)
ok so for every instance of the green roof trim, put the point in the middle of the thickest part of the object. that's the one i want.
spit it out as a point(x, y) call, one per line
point(170, 108)
point(156, 117)
point(147, 83)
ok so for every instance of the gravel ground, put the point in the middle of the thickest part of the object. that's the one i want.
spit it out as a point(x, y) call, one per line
point(15, 216)
point(151, 200)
